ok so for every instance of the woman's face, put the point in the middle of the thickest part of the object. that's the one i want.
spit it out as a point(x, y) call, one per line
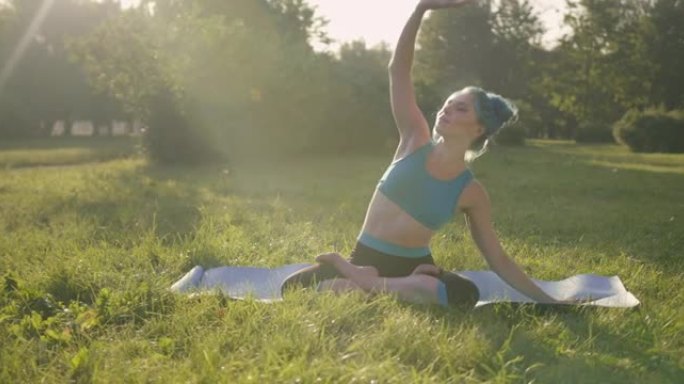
point(458, 117)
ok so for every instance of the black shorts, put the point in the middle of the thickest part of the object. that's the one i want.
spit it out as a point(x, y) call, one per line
point(386, 264)
point(459, 290)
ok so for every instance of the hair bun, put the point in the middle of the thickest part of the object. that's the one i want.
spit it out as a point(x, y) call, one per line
point(503, 111)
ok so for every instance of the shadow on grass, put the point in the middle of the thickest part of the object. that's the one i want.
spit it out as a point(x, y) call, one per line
point(138, 218)
point(574, 350)
point(137, 200)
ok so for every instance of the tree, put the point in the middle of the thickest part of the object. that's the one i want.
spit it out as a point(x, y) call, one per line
point(600, 69)
point(242, 73)
point(45, 83)
point(496, 47)
point(357, 114)
point(664, 44)
point(456, 48)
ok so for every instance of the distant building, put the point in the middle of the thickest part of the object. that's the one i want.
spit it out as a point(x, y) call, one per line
point(87, 128)
point(82, 128)
point(57, 128)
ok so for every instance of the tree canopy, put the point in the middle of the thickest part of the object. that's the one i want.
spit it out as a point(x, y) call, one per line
point(242, 77)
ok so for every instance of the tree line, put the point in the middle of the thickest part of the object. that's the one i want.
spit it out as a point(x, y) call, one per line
point(214, 79)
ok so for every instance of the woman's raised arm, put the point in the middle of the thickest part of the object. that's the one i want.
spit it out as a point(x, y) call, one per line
point(411, 123)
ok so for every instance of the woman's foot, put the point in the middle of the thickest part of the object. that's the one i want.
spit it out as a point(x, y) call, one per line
point(342, 264)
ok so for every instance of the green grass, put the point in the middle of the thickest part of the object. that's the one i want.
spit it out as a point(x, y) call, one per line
point(88, 251)
point(61, 151)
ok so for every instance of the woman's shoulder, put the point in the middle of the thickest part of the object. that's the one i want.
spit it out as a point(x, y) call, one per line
point(473, 195)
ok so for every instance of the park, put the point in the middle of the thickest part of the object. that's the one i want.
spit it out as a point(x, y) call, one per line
point(138, 142)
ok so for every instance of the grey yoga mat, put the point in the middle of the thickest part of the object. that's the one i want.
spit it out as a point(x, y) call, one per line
point(263, 284)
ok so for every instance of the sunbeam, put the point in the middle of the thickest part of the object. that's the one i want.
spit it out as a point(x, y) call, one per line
point(18, 52)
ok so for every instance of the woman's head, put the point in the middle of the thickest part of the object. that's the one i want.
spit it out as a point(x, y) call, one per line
point(474, 115)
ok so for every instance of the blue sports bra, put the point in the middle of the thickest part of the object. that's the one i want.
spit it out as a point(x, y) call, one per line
point(430, 201)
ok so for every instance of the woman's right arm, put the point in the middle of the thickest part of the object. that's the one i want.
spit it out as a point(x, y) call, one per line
point(411, 123)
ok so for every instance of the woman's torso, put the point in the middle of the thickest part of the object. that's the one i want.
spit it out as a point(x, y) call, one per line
point(388, 221)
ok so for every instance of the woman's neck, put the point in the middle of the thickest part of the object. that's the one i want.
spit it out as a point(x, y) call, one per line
point(449, 154)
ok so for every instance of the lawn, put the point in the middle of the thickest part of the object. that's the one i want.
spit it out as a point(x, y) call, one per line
point(92, 236)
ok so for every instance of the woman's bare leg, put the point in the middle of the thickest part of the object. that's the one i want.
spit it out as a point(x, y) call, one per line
point(339, 286)
point(343, 266)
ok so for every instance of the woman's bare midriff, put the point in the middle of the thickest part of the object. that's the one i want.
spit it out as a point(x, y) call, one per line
point(386, 221)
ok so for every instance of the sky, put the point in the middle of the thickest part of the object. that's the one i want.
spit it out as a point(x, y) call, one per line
point(381, 20)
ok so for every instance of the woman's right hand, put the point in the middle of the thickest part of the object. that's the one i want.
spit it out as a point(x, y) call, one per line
point(437, 4)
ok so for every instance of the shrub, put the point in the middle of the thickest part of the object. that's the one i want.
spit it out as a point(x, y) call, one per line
point(530, 120)
point(171, 138)
point(513, 135)
point(15, 119)
point(594, 133)
point(653, 130)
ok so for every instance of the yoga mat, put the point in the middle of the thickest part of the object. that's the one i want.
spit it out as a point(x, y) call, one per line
point(263, 284)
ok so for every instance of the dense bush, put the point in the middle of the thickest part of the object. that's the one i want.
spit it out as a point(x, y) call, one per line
point(170, 137)
point(15, 119)
point(512, 135)
point(529, 119)
point(594, 133)
point(653, 130)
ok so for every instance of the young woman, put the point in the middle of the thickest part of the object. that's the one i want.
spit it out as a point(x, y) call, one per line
point(427, 183)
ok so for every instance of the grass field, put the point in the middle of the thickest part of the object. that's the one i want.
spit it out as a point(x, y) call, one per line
point(90, 242)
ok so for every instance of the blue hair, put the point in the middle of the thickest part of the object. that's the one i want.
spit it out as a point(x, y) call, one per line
point(493, 111)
